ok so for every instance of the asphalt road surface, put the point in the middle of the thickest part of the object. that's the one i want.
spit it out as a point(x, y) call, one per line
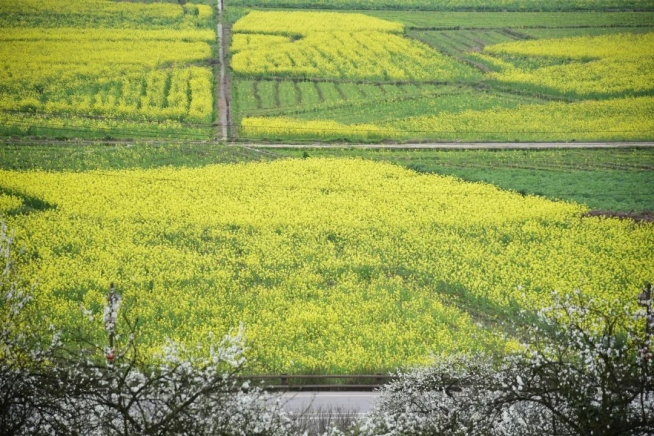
point(317, 402)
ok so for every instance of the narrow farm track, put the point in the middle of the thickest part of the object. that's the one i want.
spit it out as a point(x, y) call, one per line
point(223, 105)
point(394, 146)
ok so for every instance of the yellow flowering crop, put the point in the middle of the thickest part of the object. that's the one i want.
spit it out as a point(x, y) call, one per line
point(9, 202)
point(88, 13)
point(607, 64)
point(604, 120)
point(333, 265)
point(306, 23)
point(120, 74)
point(620, 46)
point(96, 7)
point(103, 34)
point(246, 41)
point(335, 45)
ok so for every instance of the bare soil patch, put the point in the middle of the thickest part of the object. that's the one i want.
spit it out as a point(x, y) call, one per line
point(647, 216)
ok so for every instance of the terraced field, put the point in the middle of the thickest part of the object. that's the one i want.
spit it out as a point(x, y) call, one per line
point(491, 68)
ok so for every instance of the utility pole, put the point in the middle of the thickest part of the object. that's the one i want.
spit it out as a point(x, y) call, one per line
point(645, 300)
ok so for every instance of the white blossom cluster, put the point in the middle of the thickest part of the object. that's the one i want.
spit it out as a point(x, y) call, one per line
point(49, 387)
point(582, 372)
point(182, 395)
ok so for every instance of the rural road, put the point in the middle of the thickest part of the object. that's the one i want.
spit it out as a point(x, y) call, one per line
point(461, 145)
point(315, 402)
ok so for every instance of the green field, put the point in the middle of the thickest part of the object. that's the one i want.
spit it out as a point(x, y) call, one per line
point(448, 5)
point(514, 20)
point(344, 101)
point(102, 156)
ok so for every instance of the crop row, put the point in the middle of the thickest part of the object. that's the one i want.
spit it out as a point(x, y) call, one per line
point(359, 55)
point(622, 46)
point(181, 94)
point(266, 95)
point(427, 101)
point(93, 55)
point(459, 41)
point(333, 265)
point(106, 34)
point(582, 31)
point(300, 24)
point(351, 103)
point(66, 126)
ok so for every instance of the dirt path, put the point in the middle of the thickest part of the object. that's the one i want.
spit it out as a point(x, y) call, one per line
point(636, 216)
point(223, 104)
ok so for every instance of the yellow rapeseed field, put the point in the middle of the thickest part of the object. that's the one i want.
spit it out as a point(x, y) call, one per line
point(84, 72)
point(335, 45)
point(74, 58)
point(104, 34)
point(607, 64)
point(246, 41)
point(105, 11)
point(305, 23)
point(333, 265)
point(603, 120)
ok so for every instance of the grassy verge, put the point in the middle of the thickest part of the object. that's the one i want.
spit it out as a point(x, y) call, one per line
point(58, 157)
point(613, 179)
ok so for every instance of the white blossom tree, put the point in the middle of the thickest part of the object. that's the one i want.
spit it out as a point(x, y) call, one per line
point(48, 387)
point(586, 369)
point(28, 392)
point(180, 395)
